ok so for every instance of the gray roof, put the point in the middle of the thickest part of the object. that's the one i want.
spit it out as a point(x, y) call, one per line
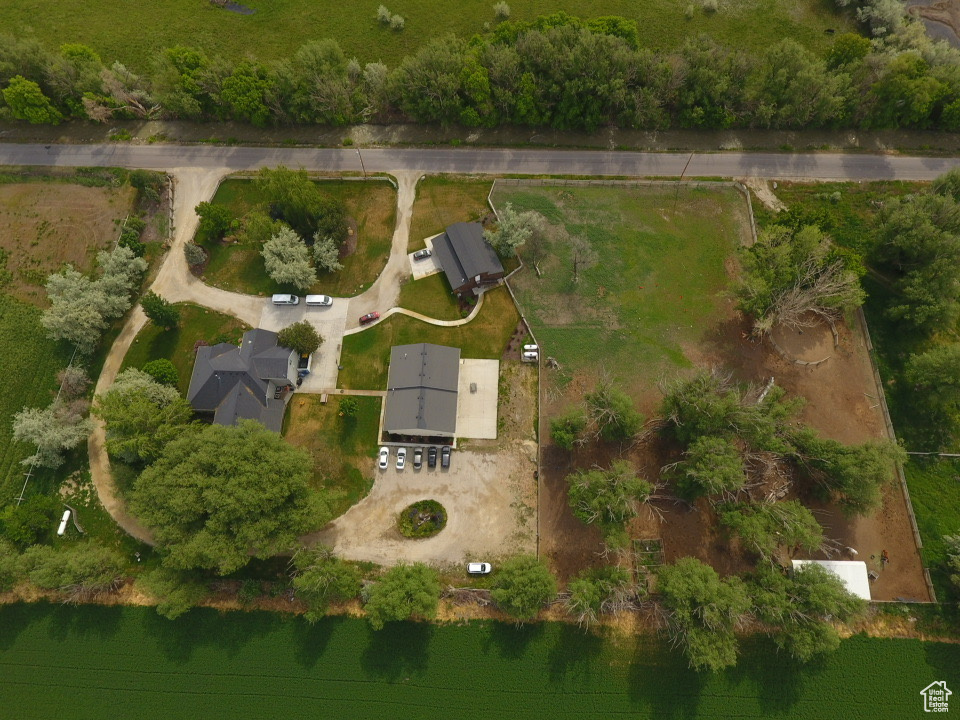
point(464, 254)
point(422, 390)
point(233, 382)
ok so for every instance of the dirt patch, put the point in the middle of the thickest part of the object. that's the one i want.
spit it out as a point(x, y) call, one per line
point(349, 246)
point(48, 224)
point(841, 403)
point(764, 193)
point(945, 12)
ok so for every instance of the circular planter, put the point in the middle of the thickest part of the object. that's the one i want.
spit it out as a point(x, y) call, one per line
point(423, 519)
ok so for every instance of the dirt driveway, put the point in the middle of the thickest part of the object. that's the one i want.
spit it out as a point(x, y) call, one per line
point(487, 516)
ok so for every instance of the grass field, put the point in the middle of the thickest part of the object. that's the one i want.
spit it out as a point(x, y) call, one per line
point(29, 362)
point(87, 661)
point(658, 284)
point(442, 201)
point(279, 27)
point(371, 204)
point(47, 224)
point(176, 345)
point(366, 355)
point(430, 296)
point(342, 448)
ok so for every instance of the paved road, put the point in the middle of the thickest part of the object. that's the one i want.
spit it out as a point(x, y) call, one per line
point(823, 166)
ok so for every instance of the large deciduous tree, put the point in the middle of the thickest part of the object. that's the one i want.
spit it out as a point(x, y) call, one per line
point(219, 496)
point(765, 527)
point(703, 611)
point(404, 592)
point(612, 413)
point(321, 578)
point(160, 311)
point(712, 465)
point(142, 415)
point(53, 430)
point(793, 278)
point(801, 607)
point(607, 497)
point(514, 229)
point(301, 337)
point(523, 585)
point(27, 102)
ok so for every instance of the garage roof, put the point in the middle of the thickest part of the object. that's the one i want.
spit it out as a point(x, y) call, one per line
point(422, 390)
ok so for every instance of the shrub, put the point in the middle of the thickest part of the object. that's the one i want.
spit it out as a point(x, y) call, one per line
point(397, 22)
point(422, 519)
point(194, 254)
point(501, 10)
point(383, 15)
point(163, 371)
point(349, 407)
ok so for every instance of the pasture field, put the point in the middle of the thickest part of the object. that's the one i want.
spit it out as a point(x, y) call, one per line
point(50, 221)
point(87, 661)
point(371, 206)
point(658, 284)
point(366, 355)
point(342, 448)
point(176, 345)
point(279, 27)
point(29, 362)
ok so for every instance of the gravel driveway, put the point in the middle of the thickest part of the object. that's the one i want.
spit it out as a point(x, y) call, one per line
point(490, 510)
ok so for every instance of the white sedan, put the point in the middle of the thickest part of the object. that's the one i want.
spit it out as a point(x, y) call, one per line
point(401, 458)
point(384, 457)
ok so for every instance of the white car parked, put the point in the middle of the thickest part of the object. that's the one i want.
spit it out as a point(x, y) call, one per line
point(384, 457)
point(401, 458)
point(480, 568)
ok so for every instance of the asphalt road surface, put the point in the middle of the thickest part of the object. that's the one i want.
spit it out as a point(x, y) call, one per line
point(821, 166)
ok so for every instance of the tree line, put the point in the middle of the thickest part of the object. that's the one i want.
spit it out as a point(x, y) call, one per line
point(557, 71)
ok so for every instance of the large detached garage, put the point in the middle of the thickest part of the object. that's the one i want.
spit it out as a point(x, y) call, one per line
point(434, 395)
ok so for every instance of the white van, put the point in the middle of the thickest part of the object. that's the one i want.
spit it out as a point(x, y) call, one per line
point(286, 300)
point(319, 300)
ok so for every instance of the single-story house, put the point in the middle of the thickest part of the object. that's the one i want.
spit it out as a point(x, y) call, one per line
point(852, 572)
point(467, 259)
point(246, 382)
point(422, 387)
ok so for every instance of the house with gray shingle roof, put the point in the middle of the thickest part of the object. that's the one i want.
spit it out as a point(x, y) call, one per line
point(234, 383)
point(422, 389)
point(466, 257)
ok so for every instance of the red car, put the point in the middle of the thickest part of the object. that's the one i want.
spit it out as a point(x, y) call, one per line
point(369, 317)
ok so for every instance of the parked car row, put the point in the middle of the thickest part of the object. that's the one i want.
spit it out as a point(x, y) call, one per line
point(418, 453)
point(310, 300)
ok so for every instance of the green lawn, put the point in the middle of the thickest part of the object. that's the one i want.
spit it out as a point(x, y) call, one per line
point(366, 355)
point(29, 362)
point(88, 661)
point(279, 27)
point(196, 323)
point(430, 296)
point(442, 201)
point(658, 285)
point(342, 448)
point(371, 204)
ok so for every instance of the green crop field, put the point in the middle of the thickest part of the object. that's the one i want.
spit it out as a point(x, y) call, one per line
point(29, 362)
point(100, 662)
point(657, 287)
point(134, 32)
